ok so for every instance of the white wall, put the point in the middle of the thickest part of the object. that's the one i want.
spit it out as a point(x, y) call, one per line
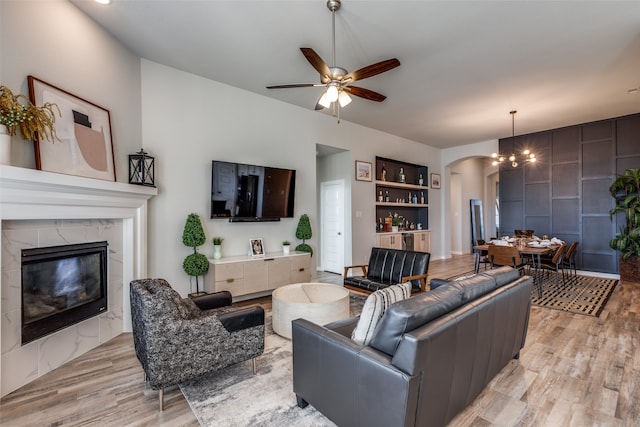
point(470, 173)
point(55, 42)
point(189, 121)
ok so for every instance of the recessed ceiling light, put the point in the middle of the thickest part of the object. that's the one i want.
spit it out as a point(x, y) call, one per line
point(104, 1)
point(634, 90)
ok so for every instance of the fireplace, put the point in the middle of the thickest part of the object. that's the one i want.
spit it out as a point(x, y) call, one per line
point(62, 286)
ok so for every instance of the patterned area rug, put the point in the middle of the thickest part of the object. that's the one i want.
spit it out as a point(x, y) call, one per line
point(235, 397)
point(581, 294)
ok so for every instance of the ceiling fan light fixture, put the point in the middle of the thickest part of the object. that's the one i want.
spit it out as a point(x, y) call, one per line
point(344, 99)
point(332, 93)
point(324, 101)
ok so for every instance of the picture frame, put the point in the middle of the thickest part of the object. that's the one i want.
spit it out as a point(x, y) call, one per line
point(435, 180)
point(363, 171)
point(84, 146)
point(256, 246)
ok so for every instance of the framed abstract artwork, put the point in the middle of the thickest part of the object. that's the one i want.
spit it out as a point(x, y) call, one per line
point(435, 180)
point(84, 146)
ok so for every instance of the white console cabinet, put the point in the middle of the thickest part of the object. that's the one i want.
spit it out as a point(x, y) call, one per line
point(244, 275)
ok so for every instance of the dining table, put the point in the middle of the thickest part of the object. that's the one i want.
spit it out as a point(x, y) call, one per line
point(534, 252)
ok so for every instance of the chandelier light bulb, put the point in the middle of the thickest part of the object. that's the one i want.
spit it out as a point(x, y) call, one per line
point(512, 158)
point(526, 152)
point(501, 159)
point(514, 164)
point(532, 159)
point(494, 163)
point(494, 155)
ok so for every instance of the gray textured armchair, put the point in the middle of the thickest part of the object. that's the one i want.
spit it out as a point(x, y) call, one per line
point(181, 339)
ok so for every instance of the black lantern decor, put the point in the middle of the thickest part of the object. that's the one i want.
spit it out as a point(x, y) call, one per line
point(141, 169)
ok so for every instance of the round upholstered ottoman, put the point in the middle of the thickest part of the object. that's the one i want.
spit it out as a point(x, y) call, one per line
point(320, 303)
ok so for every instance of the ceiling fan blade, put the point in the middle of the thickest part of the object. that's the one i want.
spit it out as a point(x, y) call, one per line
point(293, 85)
point(365, 93)
point(371, 70)
point(317, 63)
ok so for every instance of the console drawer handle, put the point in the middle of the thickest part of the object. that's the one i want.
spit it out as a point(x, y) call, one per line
point(301, 269)
point(230, 280)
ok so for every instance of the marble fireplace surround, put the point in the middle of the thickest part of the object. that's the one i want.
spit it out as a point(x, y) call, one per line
point(43, 208)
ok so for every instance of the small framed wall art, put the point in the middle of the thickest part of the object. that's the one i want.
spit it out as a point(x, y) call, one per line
point(257, 247)
point(435, 180)
point(363, 171)
point(83, 128)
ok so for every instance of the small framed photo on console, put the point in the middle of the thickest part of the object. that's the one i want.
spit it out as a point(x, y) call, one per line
point(257, 247)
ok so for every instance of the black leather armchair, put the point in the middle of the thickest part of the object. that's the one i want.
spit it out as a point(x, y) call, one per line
point(389, 267)
point(181, 339)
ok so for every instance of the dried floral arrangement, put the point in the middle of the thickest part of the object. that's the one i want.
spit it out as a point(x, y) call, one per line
point(17, 112)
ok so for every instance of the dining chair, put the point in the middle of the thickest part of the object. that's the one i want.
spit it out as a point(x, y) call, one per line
point(481, 256)
point(569, 259)
point(505, 255)
point(555, 264)
point(523, 233)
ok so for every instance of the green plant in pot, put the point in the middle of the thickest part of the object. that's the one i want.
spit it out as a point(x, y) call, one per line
point(626, 192)
point(286, 245)
point(195, 264)
point(303, 232)
point(217, 247)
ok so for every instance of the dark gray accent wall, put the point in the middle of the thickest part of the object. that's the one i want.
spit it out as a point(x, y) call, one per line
point(566, 192)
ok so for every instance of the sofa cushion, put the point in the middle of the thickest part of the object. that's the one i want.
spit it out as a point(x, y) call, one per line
point(374, 308)
point(411, 313)
point(502, 275)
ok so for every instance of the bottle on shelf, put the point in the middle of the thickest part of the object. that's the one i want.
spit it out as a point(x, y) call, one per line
point(380, 198)
point(422, 198)
point(383, 173)
point(401, 175)
point(420, 180)
point(415, 199)
point(386, 195)
point(409, 198)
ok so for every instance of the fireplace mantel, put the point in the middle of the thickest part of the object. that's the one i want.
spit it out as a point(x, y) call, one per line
point(28, 194)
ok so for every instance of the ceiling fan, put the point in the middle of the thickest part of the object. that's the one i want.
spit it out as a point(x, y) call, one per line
point(337, 80)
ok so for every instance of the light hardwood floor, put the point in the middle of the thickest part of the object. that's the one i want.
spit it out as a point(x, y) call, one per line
point(574, 371)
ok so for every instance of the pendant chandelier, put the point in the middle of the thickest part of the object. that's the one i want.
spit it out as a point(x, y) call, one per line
point(524, 157)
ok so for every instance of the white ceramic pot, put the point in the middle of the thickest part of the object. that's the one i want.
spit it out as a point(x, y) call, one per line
point(217, 251)
point(5, 146)
point(394, 228)
point(285, 249)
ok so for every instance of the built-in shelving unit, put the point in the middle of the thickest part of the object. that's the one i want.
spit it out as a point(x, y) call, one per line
point(401, 188)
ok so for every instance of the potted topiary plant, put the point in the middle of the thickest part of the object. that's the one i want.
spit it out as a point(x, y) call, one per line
point(626, 192)
point(286, 246)
point(303, 232)
point(195, 264)
point(217, 247)
point(17, 113)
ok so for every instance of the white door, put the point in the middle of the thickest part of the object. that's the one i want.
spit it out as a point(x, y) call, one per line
point(332, 238)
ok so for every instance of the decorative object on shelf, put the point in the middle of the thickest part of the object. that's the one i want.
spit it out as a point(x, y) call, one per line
point(303, 232)
point(383, 173)
point(420, 180)
point(84, 131)
point(193, 236)
point(363, 171)
point(525, 156)
point(141, 169)
point(401, 177)
point(286, 246)
point(256, 246)
point(396, 222)
point(422, 197)
point(5, 147)
point(626, 192)
point(18, 113)
point(435, 180)
point(217, 247)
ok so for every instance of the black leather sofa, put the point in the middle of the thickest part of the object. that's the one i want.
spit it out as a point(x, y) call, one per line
point(430, 356)
point(389, 267)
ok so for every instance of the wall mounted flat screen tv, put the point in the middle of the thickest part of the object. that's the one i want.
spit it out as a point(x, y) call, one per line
point(243, 192)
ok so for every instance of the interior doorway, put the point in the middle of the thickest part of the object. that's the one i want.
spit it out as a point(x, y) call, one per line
point(332, 220)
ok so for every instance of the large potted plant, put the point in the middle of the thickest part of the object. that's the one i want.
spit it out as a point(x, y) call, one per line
point(626, 192)
point(17, 113)
point(193, 235)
